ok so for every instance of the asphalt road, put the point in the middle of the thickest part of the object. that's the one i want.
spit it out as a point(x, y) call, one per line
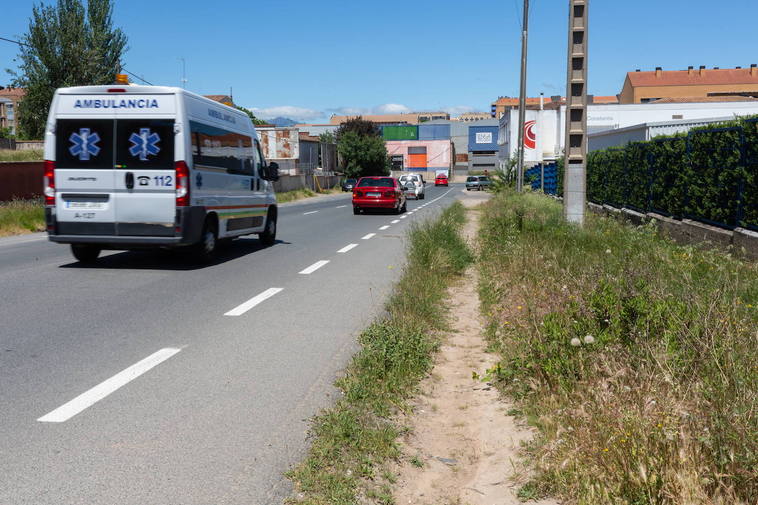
point(146, 379)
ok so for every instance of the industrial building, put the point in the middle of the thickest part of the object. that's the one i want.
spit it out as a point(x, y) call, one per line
point(645, 131)
point(411, 118)
point(422, 148)
point(482, 148)
point(296, 152)
point(544, 138)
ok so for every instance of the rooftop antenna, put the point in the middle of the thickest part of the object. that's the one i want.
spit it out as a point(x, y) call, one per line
point(184, 73)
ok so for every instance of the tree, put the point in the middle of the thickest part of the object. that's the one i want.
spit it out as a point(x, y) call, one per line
point(327, 138)
point(250, 114)
point(362, 149)
point(66, 45)
point(362, 155)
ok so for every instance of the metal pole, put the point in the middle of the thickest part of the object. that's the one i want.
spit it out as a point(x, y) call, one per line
point(522, 98)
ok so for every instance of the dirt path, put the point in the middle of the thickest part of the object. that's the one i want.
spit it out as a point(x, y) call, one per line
point(462, 438)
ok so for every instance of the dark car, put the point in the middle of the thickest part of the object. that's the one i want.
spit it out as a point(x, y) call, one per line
point(348, 184)
point(378, 193)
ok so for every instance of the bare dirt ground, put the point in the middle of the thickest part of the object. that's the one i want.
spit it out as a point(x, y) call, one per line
point(462, 447)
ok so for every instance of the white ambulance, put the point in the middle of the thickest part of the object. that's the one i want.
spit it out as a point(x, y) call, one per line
point(130, 167)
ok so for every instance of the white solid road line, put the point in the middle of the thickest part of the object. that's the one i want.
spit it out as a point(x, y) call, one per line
point(241, 309)
point(366, 237)
point(314, 267)
point(311, 212)
point(97, 393)
point(347, 248)
point(395, 221)
point(384, 227)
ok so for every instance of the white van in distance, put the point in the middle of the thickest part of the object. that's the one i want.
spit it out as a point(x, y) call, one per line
point(130, 167)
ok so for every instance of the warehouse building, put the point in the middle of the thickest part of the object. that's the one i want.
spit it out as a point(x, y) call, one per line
point(423, 148)
point(544, 138)
point(645, 87)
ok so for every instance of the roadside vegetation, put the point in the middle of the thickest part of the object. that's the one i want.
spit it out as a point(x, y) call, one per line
point(21, 216)
point(352, 439)
point(299, 194)
point(22, 155)
point(633, 357)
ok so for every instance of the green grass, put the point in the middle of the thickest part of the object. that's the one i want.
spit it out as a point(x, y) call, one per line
point(633, 357)
point(23, 155)
point(21, 216)
point(353, 438)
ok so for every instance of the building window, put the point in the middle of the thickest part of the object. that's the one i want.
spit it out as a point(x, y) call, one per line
point(9, 111)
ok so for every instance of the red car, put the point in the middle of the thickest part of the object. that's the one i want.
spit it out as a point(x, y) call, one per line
point(378, 193)
point(440, 180)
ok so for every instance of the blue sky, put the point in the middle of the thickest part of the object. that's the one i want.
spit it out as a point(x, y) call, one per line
point(308, 60)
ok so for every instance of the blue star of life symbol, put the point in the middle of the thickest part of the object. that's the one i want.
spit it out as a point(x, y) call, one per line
point(144, 143)
point(84, 144)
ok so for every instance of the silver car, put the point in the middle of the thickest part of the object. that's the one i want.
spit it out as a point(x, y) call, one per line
point(477, 182)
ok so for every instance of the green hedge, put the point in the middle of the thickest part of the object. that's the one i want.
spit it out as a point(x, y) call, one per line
point(711, 174)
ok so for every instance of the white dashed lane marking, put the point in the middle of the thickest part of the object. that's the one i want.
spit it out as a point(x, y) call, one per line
point(384, 227)
point(366, 237)
point(242, 308)
point(347, 248)
point(311, 212)
point(97, 393)
point(314, 267)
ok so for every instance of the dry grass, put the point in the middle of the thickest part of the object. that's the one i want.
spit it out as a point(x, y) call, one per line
point(634, 357)
point(21, 216)
point(21, 155)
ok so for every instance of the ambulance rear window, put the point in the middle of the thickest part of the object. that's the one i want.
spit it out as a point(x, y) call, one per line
point(145, 143)
point(84, 143)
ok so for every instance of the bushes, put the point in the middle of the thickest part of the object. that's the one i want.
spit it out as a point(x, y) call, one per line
point(633, 357)
point(710, 175)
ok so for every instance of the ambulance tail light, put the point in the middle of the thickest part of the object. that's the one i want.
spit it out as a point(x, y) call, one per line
point(182, 184)
point(49, 183)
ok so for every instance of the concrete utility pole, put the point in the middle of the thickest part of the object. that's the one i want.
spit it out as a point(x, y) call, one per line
point(575, 174)
point(522, 98)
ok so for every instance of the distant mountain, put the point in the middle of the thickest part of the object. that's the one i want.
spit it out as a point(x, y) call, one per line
point(282, 121)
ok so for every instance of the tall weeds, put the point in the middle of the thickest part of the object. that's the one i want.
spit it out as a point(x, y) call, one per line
point(21, 216)
point(635, 358)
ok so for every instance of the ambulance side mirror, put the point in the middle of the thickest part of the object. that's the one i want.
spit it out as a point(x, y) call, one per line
point(272, 172)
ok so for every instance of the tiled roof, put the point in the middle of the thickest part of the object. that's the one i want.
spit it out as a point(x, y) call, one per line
point(694, 77)
point(513, 101)
point(225, 99)
point(12, 93)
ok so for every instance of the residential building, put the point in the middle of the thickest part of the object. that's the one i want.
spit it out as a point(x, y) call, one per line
point(9, 100)
point(690, 84)
point(225, 99)
point(412, 118)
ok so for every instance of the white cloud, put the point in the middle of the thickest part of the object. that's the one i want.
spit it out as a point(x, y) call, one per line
point(349, 111)
point(459, 109)
point(288, 111)
point(391, 108)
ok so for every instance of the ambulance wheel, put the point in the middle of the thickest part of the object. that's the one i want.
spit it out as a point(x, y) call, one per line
point(268, 237)
point(205, 250)
point(85, 253)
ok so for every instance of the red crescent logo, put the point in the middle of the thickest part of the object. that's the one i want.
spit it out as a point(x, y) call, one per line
point(530, 137)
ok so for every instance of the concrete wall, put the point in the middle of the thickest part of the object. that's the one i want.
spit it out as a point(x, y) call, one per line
point(293, 182)
point(741, 241)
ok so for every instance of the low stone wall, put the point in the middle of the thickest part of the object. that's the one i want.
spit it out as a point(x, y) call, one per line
point(21, 179)
point(685, 231)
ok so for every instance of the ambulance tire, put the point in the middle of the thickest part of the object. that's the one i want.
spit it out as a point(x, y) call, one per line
point(268, 236)
point(205, 250)
point(85, 253)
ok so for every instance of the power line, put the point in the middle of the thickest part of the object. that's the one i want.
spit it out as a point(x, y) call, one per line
point(122, 68)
